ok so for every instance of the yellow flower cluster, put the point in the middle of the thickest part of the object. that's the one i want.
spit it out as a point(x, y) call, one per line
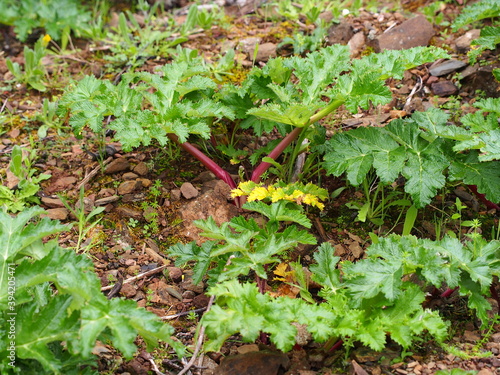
point(277, 193)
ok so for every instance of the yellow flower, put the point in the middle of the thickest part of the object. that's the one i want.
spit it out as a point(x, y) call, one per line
point(46, 39)
point(277, 194)
point(312, 200)
point(259, 193)
point(237, 193)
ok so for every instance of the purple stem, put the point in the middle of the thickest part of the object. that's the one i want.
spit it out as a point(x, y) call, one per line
point(285, 142)
point(212, 166)
point(490, 205)
point(448, 292)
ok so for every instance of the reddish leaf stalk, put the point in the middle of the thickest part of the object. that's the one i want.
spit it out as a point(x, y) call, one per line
point(490, 205)
point(448, 292)
point(285, 142)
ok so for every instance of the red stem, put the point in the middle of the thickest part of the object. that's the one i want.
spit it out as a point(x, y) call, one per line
point(207, 162)
point(490, 205)
point(285, 142)
point(448, 292)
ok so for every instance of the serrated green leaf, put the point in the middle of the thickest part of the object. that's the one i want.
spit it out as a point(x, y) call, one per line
point(325, 270)
point(35, 330)
point(485, 175)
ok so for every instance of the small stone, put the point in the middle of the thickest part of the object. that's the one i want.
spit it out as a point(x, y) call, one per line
point(447, 67)
point(107, 200)
point(444, 88)
point(175, 195)
point(340, 33)
point(463, 43)
point(411, 33)
point(127, 187)
point(356, 44)
point(145, 182)
point(471, 336)
point(485, 371)
point(128, 291)
point(265, 52)
point(175, 273)
point(129, 176)
point(52, 202)
point(117, 165)
point(129, 212)
point(141, 169)
point(200, 301)
point(56, 213)
point(150, 214)
point(63, 183)
point(189, 191)
point(247, 348)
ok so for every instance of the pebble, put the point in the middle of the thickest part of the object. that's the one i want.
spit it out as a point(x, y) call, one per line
point(117, 165)
point(446, 67)
point(188, 191)
point(444, 88)
point(127, 187)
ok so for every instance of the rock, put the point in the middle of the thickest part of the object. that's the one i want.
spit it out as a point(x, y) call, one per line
point(52, 202)
point(200, 301)
point(248, 348)
point(411, 33)
point(129, 212)
point(188, 191)
point(175, 194)
point(145, 182)
point(485, 371)
point(127, 187)
point(188, 284)
point(175, 273)
point(161, 294)
point(356, 44)
point(444, 88)
point(446, 67)
point(471, 336)
point(128, 291)
point(117, 165)
point(480, 78)
point(247, 45)
point(141, 169)
point(212, 203)
point(107, 200)
point(340, 33)
point(56, 213)
point(262, 363)
point(463, 43)
point(129, 176)
point(265, 52)
point(63, 183)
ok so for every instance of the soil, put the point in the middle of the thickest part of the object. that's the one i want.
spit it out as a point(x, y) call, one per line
point(152, 195)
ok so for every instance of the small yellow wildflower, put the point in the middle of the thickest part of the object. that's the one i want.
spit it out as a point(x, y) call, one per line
point(46, 39)
point(259, 193)
point(237, 193)
point(277, 195)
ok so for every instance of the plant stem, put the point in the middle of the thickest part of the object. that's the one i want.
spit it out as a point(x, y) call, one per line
point(216, 169)
point(262, 167)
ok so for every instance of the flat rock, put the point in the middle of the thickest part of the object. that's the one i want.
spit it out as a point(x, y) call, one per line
point(446, 67)
point(356, 44)
point(480, 78)
point(340, 33)
point(128, 291)
point(141, 169)
point(262, 363)
point(117, 165)
point(188, 191)
point(265, 52)
point(127, 187)
point(411, 33)
point(463, 43)
point(212, 203)
point(129, 212)
point(444, 88)
point(52, 202)
point(56, 213)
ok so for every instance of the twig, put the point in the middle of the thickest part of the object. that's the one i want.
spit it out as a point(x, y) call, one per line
point(93, 173)
point(147, 273)
point(416, 88)
point(199, 342)
point(156, 370)
point(201, 336)
point(184, 313)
